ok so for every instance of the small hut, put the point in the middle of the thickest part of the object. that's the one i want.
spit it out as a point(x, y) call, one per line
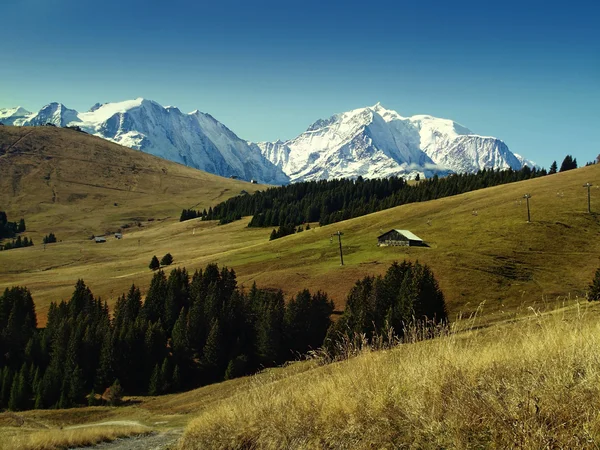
point(100, 239)
point(401, 238)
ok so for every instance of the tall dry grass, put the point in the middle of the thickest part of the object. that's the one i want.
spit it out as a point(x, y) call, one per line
point(532, 384)
point(69, 438)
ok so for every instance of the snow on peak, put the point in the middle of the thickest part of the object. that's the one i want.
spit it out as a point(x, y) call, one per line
point(197, 140)
point(54, 113)
point(374, 141)
point(13, 116)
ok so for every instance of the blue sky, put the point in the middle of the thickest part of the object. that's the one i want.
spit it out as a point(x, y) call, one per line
point(526, 72)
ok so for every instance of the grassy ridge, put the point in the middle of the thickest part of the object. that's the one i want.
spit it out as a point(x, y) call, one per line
point(532, 384)
point(76, 185)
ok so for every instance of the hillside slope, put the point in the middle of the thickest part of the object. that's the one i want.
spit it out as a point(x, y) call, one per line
point(516, 385)
point(494, 256)
point(76, 185)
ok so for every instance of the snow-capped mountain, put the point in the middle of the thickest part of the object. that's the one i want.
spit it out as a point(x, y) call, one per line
point(195, 139)
point(370, 142)
point(377, 142)
point(11, 115)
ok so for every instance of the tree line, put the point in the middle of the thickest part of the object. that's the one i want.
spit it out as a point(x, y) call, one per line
point(408, 293)
point(189, 331)
point(330, 201)
point(17, 243)
point(10, 230)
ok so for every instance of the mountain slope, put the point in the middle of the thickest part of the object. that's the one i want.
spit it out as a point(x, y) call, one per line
point(76, 185)
point(13, 116)
point(375, 142)
point(195, 139)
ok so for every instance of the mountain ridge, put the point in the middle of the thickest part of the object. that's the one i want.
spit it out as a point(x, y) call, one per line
point(196, 139)
point(374, 141)
point(370, 142)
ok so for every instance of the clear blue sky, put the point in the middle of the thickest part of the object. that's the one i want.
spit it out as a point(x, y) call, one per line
point(527, 72)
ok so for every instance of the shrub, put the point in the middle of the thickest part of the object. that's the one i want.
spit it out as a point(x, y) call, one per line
point(594, 288)
point(114, 394)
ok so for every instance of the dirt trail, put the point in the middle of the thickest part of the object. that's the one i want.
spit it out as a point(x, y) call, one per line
point(155, 441)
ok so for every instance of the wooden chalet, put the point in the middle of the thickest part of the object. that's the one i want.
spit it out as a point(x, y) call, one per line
point(401, 238)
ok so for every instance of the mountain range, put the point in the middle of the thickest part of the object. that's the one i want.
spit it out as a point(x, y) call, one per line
point(369, 142)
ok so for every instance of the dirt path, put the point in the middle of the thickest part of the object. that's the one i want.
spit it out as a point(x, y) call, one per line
point(125, 423)
point(155, 441)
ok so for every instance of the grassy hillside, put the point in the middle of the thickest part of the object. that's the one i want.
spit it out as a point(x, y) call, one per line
point(494, 257)
point(531, 384)
point(77, 185)
point(530, 378)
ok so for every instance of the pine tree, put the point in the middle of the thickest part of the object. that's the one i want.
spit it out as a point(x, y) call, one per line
point(5, 387)
point(76, 386)
point(594, 287)
point(154, 263)
point(165, 375)
point(49, 239)
point(180, 343)
point(568, 164)
point(91, 398)
point(105, 372)
point(154, 305)
point(155, 385)
point(177, 382)
point(213, 353)
point(237, 367)
point(166, 260)
point(114, 394)
point(18, 394)
point(553, 168)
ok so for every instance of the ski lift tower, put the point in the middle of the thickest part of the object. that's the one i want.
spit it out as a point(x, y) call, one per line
point(339, 234)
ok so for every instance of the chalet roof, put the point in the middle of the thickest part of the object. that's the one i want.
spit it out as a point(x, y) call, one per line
point(407, 234)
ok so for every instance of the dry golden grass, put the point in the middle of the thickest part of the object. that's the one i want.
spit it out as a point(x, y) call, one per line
point(69, 438)
point(530, 384)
